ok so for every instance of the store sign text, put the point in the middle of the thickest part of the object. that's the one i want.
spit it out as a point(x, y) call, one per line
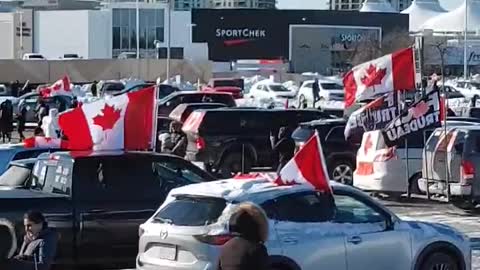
point(240, 33)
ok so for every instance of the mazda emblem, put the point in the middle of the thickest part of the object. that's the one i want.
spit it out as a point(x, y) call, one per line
point(163, 234)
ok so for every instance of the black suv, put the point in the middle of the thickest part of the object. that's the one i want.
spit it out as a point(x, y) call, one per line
point(340, 154)
point(234, 140)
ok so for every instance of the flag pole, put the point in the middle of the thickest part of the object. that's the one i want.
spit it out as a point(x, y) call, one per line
point(155, 119)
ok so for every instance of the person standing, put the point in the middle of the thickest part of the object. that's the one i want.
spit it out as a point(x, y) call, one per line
point(39, 245)
point(246, 251)
point(93, 88)
point(315, 92)
point(41, 110)
point(7, 120)
point(283, 146)
point(21, 120)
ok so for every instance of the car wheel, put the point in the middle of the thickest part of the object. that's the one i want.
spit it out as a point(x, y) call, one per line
point(440, 261)
point(342, 172)
point(463, 204)
point(413, 184)
point(8, 239)
point(232, 165)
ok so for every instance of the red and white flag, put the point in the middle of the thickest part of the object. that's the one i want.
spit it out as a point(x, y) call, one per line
point(60, 87)
point(307, 167)
point(385, 74)
point(121, 122)
point(44, 142)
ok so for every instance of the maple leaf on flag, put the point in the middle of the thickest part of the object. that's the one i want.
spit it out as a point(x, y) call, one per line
point(108, 118)
point(373, 76)
point(420, 109)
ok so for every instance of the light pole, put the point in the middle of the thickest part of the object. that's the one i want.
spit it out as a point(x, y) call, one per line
point(465, 64)
point(21, 33)
point(137, 9)
point(169, 11)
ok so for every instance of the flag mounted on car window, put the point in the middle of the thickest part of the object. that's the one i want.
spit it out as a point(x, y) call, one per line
point(372, 116)
point(307, 167)
point(122, 122)
point(423, 114)
point(382, 75)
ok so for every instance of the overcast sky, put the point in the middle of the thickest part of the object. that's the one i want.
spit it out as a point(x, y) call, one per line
point(323, 4)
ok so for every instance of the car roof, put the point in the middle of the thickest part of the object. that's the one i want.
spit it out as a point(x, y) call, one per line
point(321, 122)
point(320, 81)
point(256, 189)
point(106, 153)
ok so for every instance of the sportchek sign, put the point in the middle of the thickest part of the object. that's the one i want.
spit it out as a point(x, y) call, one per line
point(241, 33)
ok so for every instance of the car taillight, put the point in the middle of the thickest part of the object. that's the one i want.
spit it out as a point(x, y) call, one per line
point(200, 143)
point(364, 168)
point(216, 240)
point(467, 172)
point(386, 155)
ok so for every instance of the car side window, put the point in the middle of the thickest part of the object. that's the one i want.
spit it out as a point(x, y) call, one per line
point(336, 134)
point(174, 170)
point(303, 208)
point(352, 210)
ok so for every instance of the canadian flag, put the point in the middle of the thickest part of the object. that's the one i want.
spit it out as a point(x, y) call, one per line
point(385, 74)
point(60, 87)
point(44, 142)
point(121, 122)
point(307, 167)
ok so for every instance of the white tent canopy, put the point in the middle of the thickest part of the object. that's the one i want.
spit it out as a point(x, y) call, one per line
point(421, 11)
point(454, 21)
point(377, 6)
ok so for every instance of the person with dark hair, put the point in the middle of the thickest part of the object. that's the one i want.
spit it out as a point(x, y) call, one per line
point(41, 110)
point(283, 145)
point(39, 244)
point(93, 88)
point(74, 103)
point(315, 92)
point(246, 251)
point(6, 119)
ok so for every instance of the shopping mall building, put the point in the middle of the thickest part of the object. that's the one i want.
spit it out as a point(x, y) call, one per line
point(308, 40)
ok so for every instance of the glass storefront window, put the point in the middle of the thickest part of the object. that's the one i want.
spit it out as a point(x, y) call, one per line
point(151, 25)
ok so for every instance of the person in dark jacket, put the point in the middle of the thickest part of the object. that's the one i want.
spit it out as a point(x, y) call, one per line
point(41, 110)
point(246, 251)
point(6, 120)
point(21, 120)
point(284, 146)
point(315, 92)
point(74, 103)
point(93, 88)
point(39, 245)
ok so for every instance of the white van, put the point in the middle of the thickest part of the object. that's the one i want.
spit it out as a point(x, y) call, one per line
point(380, 168)
point(384, 169)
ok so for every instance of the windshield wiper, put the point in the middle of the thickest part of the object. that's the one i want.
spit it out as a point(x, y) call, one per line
point(164, 220)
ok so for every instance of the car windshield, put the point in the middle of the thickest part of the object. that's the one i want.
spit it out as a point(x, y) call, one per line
point(15, 176)
point(222, 83)
point(331, 86)
point(191, 211)
point(34, 56)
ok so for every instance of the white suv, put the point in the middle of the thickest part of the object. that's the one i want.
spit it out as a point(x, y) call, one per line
point(306, 230)
point(329, 91)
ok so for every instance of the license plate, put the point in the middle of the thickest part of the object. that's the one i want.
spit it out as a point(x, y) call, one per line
point(167, 253)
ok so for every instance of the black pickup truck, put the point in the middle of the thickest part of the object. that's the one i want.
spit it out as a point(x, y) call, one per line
point(96, 201)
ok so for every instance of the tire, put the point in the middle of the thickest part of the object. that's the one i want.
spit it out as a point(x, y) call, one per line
point(8, 239)
point(232, 164)
point(439, 261)
point(463, 204)
point(413, 184)
point(342, 171)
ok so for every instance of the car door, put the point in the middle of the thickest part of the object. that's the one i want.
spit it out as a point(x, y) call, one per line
point(117, 194)
point(371, 241)
point(302, 225)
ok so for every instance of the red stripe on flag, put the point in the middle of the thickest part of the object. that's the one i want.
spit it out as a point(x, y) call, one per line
point(403, 68)
point(139, 119)
point(350, 89)
point(75, 126)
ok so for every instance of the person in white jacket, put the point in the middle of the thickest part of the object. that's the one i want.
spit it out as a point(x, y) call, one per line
point(50, 124)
